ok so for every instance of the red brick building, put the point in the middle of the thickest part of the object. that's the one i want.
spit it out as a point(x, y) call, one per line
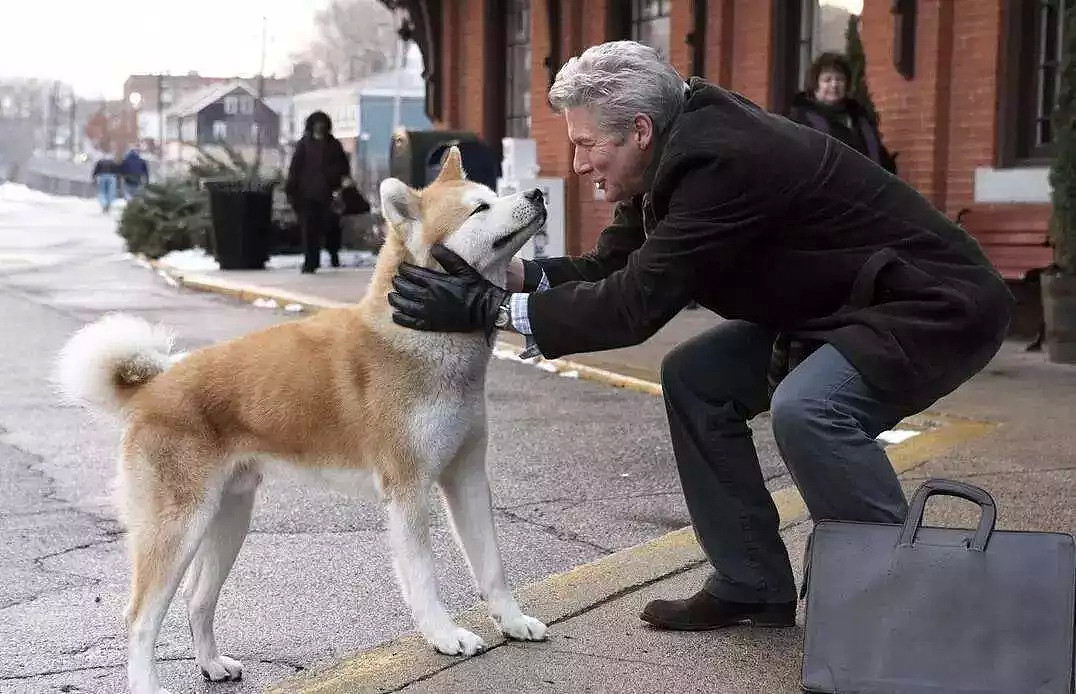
point(961, 86)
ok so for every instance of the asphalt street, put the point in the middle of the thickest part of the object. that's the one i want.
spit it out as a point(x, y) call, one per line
point(578, 470)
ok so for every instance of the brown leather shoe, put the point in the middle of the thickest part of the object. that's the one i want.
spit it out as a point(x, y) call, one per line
point(703, 611)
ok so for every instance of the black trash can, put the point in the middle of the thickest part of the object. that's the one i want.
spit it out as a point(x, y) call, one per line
point(242, 215)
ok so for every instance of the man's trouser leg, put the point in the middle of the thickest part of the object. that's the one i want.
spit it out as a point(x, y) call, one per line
point(713, 384)
point(825, 420)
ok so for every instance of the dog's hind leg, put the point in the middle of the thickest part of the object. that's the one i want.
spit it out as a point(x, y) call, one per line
point(212, 563)
point(409, 535)
point(161, 549)
point(470, 508)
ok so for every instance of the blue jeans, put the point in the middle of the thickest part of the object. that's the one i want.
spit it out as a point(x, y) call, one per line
point(825, 420)
point(106, 190)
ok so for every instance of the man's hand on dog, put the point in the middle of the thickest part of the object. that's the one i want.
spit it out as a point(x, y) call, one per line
point(459, 301)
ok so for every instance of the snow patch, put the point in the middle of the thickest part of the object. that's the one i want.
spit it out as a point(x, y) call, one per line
point(198, 260)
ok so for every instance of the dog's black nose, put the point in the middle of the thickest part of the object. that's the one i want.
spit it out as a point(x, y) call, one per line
point(534, 195)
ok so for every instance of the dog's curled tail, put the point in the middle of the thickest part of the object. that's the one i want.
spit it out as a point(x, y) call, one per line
point(106, 362)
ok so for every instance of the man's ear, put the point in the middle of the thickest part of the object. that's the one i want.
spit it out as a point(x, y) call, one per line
point(643, 130)
point(399, 203)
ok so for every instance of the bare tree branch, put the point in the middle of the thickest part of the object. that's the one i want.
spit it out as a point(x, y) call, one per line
point(355, 38)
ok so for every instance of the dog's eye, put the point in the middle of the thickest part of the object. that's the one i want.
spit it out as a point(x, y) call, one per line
point(482, 207)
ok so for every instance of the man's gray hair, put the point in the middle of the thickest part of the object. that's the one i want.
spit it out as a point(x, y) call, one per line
point(618, 80)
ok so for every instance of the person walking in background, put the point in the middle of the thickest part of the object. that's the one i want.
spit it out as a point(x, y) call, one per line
point(105, 173)
point(318, 169)
point(135, 173)
point(827, 107)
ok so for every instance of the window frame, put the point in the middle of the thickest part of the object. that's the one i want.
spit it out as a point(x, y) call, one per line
point(1019, 90)
point(231, 105)
point(518, 123)
point(636, 22)
point(789, 69)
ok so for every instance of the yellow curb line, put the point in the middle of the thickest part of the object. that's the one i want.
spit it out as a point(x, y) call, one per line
point(565, 595)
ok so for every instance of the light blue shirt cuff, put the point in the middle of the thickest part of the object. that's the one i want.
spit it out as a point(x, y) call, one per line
point(521, 320)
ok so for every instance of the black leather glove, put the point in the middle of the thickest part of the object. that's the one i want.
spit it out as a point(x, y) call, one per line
point(462, 301)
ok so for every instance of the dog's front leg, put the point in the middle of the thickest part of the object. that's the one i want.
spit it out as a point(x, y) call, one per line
point(470, 507)
point(409, 534)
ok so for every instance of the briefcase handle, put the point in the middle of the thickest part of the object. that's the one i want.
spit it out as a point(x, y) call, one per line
point(950, 488)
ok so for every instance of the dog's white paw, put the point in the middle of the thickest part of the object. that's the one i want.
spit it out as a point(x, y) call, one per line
point(456, 641)
point(222, 669)
point(523, 628)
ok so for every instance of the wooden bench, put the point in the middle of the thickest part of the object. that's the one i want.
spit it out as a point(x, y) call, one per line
point(1014, 237)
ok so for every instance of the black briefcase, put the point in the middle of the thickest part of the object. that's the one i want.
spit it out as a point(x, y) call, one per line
point(910, 609)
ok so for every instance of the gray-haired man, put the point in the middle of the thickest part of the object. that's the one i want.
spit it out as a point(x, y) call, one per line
point(794, 238)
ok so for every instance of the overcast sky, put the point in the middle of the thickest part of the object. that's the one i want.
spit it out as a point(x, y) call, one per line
point(95, 45)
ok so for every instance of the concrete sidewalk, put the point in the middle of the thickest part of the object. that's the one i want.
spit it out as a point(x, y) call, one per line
point(1008, 430)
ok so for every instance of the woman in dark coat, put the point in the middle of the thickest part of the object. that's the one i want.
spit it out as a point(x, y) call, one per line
point(827, 107)
point(318, 169)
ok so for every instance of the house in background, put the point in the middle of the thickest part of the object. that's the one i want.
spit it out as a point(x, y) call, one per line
point(963, 89)
point(150, 95)
point(224, 114)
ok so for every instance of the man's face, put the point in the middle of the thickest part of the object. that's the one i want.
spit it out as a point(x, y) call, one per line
point(832, 87)
point(615, 165)
point(320, 129)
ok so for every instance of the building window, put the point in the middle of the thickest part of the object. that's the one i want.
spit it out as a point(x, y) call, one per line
point(518, 69)
point(650, 24)
point(231, 105)
point(220, 130)
point(1033, 38)
point(802, 31)
point(246, 105)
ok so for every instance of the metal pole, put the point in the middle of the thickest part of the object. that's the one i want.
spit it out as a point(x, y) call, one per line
point(261, 95)
point(71, 125)
point(400, 55)
point(160, 125)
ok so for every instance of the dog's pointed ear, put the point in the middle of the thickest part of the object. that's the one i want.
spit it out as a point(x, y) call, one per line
point(452, 167)
point(399, 203)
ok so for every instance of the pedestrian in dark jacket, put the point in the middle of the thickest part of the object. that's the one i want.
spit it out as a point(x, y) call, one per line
point(827, 107)
point(134, 172)
point(105, 173)
point(318, 169)
point(779, 231)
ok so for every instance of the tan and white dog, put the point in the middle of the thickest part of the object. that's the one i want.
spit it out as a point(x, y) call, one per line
point(346, 393)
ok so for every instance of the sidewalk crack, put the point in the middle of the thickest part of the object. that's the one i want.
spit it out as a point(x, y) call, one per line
point(565, 535)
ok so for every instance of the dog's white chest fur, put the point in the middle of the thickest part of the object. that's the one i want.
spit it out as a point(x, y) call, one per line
point(451, 408)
